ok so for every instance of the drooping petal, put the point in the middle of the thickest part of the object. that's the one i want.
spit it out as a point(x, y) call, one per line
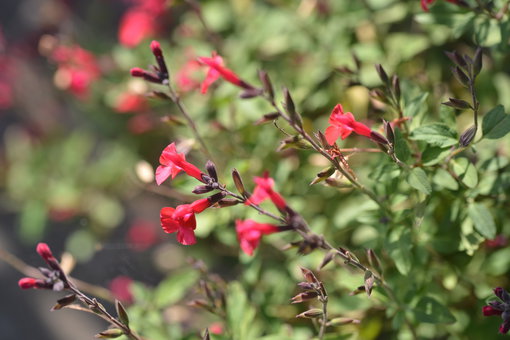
point(186, 236)
point(163, 172)
point(332, 133)
point(168, 222)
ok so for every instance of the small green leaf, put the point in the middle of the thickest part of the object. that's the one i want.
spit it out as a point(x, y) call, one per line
point(482, 220)
point(445, 179)
point(241, 314)
point(496, 123)
point(436, 134)
point(466, 171)
point(418, 179)
point(401, 148)
point(428, 310)
point(173, 288)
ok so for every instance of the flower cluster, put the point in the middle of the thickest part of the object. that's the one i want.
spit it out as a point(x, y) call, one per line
point(501, 308)
point(55, 278)
point(158, 74)
point(77, 69)
point(264, 190)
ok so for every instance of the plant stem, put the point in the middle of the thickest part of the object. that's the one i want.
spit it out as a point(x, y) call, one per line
point(177, 101)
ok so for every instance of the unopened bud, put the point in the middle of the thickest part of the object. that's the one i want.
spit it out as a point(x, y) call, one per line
point(467, 136)
point(266, 83)
point(311, 314)
point(305, 296)
point(65, 301)
point(239, 183)
point(111, 333)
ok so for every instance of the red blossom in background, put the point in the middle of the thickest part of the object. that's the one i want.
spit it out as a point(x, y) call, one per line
point(499, 241)
point(264, 190)
point(141, 235)
point(141, 21)
point(182, 220)
point(342, 124)
point(172, 163)
point(216, 70)
point(6, 92)
point(426, 3)
point(184, 76)
point(250, 232)
point(77, 69)
point(131, 102)
point(121, 289)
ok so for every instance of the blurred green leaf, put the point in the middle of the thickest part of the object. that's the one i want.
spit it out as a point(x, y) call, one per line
point(174, 287)
point(496, 123)
point(240, 314)
point(482, 220)
point(419, 180)
point(429, 310)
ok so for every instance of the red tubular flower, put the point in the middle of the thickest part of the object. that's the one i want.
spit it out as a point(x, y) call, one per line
point(500, 307)
point(264, 190)
point(44, 251)
point(217, 70)
point(172, 163)
point(182, 220)
point(343, 124)
point(250, 232)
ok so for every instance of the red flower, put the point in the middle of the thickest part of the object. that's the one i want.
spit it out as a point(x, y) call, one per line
point(172, 163)
point(498, 242)
point(141, 235)
point(343, 124)
point(140, 21)
point(184, 78)
point(425, 3)
point(77, 69)
point(489, 310)
point(264, 190)
point(217, 70)
point(130, 102)
point(182, 220)
point(121, 288)
point(250, 232)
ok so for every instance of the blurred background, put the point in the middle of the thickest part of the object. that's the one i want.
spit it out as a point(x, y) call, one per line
point(81, 139)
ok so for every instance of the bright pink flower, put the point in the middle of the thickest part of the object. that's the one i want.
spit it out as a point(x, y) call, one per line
point(172, 163)
point(121, 288)
point(182, 220)
point(140, 21)
point(250, 232)
point(216, 70)
point(216, 328)
point(131, 102)
point(77, 69)
point(343, 124)
point(44, 251)
point(264, 190)
point(426, 3)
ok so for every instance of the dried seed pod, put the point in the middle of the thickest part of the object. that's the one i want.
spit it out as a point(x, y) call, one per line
point(467, 136)
point(477, 62)
point(460, 76)
point(211, 170)
point(266, 83)
point(458, 104)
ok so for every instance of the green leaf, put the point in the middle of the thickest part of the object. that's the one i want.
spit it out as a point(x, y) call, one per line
point(433, 155)
point(482, 220)
point(444, 179)
point(436, 134)
point(416, 105)
point(418, 179)
point(240, 314)
point(401, 148)
point(429, 310)
point(466, 171)
point(174, 287)
point(399, 249)
point(496, 123)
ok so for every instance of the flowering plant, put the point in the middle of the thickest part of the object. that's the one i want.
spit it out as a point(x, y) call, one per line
point(371, 165)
